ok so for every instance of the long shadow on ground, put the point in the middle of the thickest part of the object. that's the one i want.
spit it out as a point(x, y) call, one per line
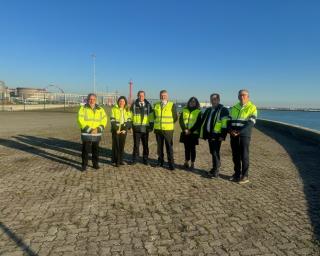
point(19, 242)
point(306, 157)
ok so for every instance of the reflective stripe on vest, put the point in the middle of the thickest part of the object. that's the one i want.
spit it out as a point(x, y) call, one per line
point(163, 117)
point(240, 115)
point(136, 118)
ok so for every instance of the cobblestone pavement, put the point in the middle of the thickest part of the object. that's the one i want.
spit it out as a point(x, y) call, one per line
point(49, 207)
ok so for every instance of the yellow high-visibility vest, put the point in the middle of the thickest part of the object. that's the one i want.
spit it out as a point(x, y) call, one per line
point(137, 120)
point(119, 117)
point(190, 117)
point(89, 119)
point(163, 117)
point(219, 122)
point(240, 115)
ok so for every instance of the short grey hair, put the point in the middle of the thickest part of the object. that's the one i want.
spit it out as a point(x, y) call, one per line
point(163, 91)
point(243, 90)
point(91, 94)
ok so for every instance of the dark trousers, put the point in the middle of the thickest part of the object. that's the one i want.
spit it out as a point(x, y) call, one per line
point(144, 137)
point(214, 146)
point(118, 142)
point(189, 149)
point(240, 155)
point(165, 137)
point(86, 145)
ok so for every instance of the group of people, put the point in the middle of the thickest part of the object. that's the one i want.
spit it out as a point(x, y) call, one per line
point(142, 118)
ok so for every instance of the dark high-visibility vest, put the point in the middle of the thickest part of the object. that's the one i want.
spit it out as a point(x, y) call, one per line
point(145, 120)
point(218, 122)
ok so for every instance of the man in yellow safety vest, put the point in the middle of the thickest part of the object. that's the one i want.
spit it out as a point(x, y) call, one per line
point(243, 117)
point(214, 129)
point(165, 116)
point(92, 121)
point(142, 124)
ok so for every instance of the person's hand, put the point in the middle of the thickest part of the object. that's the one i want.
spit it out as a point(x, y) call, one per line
point(118, 132)
point(186, 131)
point(234, 133)
point(94, 131)
point(123, 131)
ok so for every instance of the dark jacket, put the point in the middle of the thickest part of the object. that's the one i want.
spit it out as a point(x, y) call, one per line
point(205, 118)
point(142, 110)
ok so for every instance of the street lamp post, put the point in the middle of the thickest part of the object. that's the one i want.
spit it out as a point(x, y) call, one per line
point(94, 72)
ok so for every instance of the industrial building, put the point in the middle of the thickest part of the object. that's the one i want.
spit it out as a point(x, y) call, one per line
point(39, 96)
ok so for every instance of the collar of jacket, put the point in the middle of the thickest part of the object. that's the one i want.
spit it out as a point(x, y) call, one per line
point(239, 107)
point(117, 106)
point(216, 108)
point(191, 109)
point(96, 106)
point(137, 102)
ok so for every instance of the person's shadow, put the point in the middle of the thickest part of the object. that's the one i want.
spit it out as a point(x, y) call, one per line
point(58, 150)
point(33, 147)
point(19, 241)
point(306, 157)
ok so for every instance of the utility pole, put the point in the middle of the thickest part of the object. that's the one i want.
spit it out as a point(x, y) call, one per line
point(94, 72)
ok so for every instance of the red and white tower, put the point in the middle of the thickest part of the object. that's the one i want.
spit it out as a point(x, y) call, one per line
point(130, 99)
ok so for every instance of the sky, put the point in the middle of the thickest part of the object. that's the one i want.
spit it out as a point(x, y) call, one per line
point(189, 47)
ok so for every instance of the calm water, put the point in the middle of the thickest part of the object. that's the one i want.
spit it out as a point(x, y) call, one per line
point(302, 118)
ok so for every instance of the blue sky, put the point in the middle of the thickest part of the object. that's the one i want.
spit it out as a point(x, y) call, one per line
point(188, 47)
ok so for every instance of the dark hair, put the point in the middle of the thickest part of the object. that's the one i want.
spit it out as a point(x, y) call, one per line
point(215, 95)
point(141, 92)
point(196, 100)
point(122, 98)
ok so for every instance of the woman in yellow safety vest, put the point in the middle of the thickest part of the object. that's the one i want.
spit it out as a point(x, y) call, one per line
point(120, 120)
point(190, 122)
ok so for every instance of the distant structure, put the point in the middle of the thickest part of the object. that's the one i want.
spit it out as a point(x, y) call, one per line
point(205, 104)
point(40, 95)
point(4, 92)
point(30, 93)
point(130, 98)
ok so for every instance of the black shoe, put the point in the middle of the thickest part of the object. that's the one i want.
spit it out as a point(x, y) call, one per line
point(214, 173)
point(234, 178)
point(171, 167)
point(122, 163)
point(145, 162)
point(116, 165)
point(186, 165)
point(96, 166)
point(159, 164)
point(83, 168)
point(133, 162)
